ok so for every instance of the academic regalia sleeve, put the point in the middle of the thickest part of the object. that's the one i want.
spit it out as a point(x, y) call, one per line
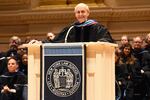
point(103, 35)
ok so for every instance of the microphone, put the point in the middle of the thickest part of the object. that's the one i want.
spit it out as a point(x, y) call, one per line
point(68, 33)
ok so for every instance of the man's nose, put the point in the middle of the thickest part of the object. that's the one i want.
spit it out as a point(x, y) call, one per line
point(80, 13)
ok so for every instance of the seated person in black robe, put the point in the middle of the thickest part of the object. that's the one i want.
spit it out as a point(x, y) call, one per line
point(12, 82)
point(3, 63)
point(84, 30)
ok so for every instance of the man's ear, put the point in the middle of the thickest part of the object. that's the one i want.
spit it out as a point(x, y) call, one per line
point(88, 14)
point(17, 66)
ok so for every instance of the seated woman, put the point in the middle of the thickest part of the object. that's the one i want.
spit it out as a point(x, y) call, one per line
point(125, 71)
point(12, 82)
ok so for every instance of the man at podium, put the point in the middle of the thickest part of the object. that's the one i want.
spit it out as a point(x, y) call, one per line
point(84, 29)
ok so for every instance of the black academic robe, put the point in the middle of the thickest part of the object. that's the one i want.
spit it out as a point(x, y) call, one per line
point(90, 33)
point(16, 81)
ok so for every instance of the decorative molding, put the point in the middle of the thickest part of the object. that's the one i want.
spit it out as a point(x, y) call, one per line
point(17, 17)
point(13, 2)
point(67, 2)
point(56, 15)
point(127, 3)
point(6, 5)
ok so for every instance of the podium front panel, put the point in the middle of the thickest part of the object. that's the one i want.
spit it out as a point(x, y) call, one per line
point(100, 69)
point(63, 72)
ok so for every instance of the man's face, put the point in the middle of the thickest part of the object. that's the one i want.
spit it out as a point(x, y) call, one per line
point(124, 40)
point(25, 59)
point(13, 45)
point(137, 43)
point(12, 65)
point(81, 14)
point(50, 36)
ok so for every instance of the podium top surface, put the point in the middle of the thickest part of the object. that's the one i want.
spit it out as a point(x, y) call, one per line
point(101, 43)
point(74, 44)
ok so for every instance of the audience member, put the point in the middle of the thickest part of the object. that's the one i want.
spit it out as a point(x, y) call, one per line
point(14, 42)
point(12, 82)
point(24, 64)
point(138, 51)
point(50, 38)
point(141, 55)
point(146, 69)
point(124, 40)
point(125, 71)
point(3, 63)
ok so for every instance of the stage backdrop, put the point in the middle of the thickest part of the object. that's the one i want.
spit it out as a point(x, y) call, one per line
point(63, 71)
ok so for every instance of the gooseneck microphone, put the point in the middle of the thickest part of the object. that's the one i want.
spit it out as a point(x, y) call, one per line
point(66, 37)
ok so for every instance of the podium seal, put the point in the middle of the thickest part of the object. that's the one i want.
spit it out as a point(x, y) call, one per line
point(63, 78)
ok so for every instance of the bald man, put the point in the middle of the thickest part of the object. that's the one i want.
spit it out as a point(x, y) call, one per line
point(84, 29)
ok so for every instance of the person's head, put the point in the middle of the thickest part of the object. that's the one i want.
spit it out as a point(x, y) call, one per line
point(124, 40)
point(22, 50)
point(25, 59)
point(147, 39)
point(14, 42)
point(50, 36)
point(68, 70)
point(56, 70)
point(137, 42)
point(127, 49)
point(28, 39)
point(12, 64)
point(81, 12)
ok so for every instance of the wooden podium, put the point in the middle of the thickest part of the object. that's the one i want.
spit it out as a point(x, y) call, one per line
point(100, 71)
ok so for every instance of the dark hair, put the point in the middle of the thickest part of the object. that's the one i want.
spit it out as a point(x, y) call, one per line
point(127, 45)
point(13, 57)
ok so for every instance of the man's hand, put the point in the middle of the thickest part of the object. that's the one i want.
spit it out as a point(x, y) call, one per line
point(142, 71)
point(5, 89)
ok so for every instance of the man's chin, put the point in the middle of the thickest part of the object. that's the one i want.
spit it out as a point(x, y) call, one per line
point(81, 21)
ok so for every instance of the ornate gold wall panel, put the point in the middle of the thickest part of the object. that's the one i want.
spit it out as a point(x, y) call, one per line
point(52, 2)
point(37, 17)
point(14, 4)
point(66, 2)
point(63, 16)
point(119, 3)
